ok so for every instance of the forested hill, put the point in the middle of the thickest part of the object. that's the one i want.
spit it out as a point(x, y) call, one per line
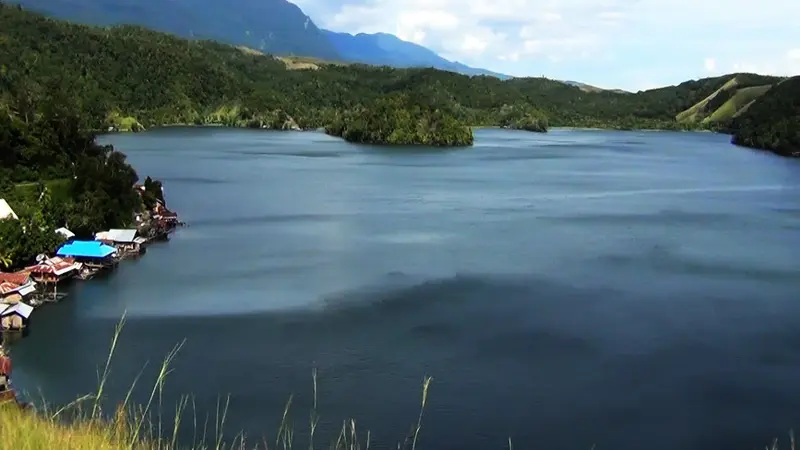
point(729, 101)
point(274, 26)
point(120, 75)
point(772, 122)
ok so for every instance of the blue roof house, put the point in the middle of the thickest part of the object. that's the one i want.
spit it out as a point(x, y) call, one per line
point(86, 249)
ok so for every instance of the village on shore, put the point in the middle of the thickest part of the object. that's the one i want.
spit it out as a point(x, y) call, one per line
point(23, 291)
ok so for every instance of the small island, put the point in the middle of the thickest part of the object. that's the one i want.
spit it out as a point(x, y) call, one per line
point(523, 117)
point(397, 120)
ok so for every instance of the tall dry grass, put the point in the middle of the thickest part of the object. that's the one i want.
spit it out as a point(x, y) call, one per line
point(83, 425)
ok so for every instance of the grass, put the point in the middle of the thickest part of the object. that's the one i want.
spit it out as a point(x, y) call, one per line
point(124, 123)
point(294, 62)
point(740, 99)
point(30, 190)
point(307, 62)
point(83, 425)
point(23, 196)
point(698, 111)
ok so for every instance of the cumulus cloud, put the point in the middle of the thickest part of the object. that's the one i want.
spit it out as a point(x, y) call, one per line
point(525, 36)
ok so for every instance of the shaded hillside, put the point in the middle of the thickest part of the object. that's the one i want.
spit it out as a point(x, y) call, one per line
point(161, 79)
point(271, 26)
point(773, 121)
point(125, 76)
point(722, 105)
point(656, 108)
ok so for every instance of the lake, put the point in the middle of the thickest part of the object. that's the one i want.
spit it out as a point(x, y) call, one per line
point(566, 290)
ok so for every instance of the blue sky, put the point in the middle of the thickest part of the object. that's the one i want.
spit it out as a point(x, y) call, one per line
point(628, 44)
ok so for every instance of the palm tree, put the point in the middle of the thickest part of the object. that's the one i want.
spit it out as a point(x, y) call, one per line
point(5, 261)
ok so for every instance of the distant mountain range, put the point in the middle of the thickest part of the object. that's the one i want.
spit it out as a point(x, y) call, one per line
point(270, 26)
point(389, 50)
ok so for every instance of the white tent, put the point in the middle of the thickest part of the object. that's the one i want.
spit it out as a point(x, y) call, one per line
point(22, 309)
point(65, 232)
point(117, 235)
point(6, 212)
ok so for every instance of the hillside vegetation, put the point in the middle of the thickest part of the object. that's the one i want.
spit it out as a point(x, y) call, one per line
point(721, 106)
point(52, 172)
point(737, 104)
point(761, 112)
point(130, 77)
point(270, 26)
point(773, 121)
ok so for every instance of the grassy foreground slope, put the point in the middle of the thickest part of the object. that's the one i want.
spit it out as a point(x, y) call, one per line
point(25, 431)
point(83, 425)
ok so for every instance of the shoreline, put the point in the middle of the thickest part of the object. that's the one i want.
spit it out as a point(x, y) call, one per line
point(472, 130)
point(473, 127)
point(74, 260)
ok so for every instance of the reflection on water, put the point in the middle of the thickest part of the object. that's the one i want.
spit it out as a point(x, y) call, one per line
point(571, 289)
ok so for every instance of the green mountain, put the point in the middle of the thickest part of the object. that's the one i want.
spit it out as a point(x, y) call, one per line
point(772, 122)
point(731, 99)
point(128, 76)
point(271, 26)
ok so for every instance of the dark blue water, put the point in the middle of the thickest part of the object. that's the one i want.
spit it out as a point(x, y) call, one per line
point(579, 288)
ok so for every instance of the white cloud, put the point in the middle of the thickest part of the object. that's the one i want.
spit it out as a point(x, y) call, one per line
point(710, 64)
point(768, 67)
point(513, 57)
point(770, 64)
point(473, 44)
point(524, 36)
point(551, 17)
point(611, 16)
point(465, 28)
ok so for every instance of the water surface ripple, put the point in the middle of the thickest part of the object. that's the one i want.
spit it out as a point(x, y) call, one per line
point(570, 290)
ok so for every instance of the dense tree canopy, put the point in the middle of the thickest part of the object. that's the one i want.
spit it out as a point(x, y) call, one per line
point(55, 175)
point(124, 76)
point(398, 120)
point(52, 172)
point(773, 121)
